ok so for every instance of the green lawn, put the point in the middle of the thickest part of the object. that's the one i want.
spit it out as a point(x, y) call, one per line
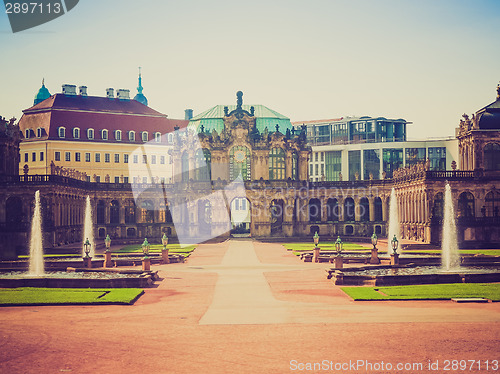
point(426, 292)
point(156, 248)
point(298, 248)
point(487, 252)
point(61, 296)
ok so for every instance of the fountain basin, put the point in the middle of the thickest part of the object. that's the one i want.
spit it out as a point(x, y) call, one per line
point(80, 278)
point(412, 274)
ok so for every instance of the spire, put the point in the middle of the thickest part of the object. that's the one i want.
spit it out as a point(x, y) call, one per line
point(140, 97)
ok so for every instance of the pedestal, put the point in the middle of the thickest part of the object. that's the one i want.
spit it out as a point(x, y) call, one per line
point(164, 256)
point(339, 262)
point(107, 259)
point(374, 259)
point(146, 264)
point(87, 262)
point(316, 254)
point(395, 259)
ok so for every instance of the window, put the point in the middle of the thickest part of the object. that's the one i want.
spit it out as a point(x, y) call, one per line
point(322, 156)
point(157, 137)
point(277, 164)
point(87, 157)
point(41, 156)
point(57, 156)
point(492, 156)
point(144, 179)
point(295, 166)
point(316, 157)
point(136, 159)
point(104, 134)
point(118, 135)
point(67, 156)
point(27, 133)
point(125, 158)
point(437, 157)
point(170, 138)
point(239, 163)
point(88, 178)
point(117, 158)
point(162, 160)
point(97, 157)
point(98, 179)
point(76, 133)
point(153, 159)
point(392, 160)
point(117, 179)
point(316, 172)
point(203, 158)
point(144, 159)
point(61, 131)
point(33, 156)
point(414, 156)
point(90, 134)
point(26, 157)
point(77, 156)
point(131, 136)
point(39, 132)
point(144, 136)
point(107, 157)
point(371, 163)
point(125, 179)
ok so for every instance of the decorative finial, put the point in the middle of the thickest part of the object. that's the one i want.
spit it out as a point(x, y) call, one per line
point(140, 70)
point(239, 100)
point(43, 82)
point(277, 128)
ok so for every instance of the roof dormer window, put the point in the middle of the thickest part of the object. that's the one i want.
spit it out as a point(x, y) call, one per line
point(39, 132)
point(131, 136)
point(76, 133)
point(90, 134)
point(118, 135)
point(27, 133)
point(104, 134)
point(61, 132)
point(144, 136)
point(157, 137)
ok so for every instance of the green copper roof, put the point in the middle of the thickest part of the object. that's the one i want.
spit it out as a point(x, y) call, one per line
point(265, 118)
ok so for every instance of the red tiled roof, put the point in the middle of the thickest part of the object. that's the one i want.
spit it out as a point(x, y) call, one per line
point(97, 113)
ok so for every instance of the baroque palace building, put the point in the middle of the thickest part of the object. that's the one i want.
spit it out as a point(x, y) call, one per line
point(232, 168)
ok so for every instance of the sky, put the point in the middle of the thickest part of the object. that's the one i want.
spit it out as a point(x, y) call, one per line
point(425, 61)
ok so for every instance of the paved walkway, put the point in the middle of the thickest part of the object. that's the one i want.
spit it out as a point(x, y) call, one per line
point(244, 307)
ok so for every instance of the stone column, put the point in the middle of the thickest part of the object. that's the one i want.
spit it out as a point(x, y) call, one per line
point(371, 203)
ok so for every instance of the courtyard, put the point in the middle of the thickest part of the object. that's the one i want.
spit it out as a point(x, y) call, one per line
point(243, 306)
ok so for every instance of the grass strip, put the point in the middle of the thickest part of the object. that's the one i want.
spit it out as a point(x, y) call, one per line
point(489, 291)
point(72, 296)
point(156, 248)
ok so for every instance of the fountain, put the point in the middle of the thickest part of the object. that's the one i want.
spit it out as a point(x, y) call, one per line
point(393, 222)
point(450, 258)
point(88, 229)
point(36, 264)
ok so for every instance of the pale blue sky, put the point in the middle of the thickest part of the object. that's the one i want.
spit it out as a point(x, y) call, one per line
point(425, 61)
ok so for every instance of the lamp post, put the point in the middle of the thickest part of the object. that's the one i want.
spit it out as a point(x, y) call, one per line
point(374, 258)
point(87, 260)
point(395, 255)
point(146, 261)
point(164, 251)
point(339, 262)
point(316, 248)
point(107, 254)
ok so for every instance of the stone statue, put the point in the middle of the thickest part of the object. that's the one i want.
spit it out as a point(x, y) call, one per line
point(239, 100)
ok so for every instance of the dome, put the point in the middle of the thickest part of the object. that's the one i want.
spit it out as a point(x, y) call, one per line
point(141, 98)
point(43, 94)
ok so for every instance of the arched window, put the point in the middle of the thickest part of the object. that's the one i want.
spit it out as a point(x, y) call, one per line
point(295, 166)
point(333, 210)
point(277, 164)
point(76, 133)
point(203, 160)
point(377, 205)
point(239, 163)
point(157, 137)
point(130, 212)
point(147, 212)
point(185, 166)
point(27, 133)
point(104, 134)
point(466, 205)
point(90, 133)
point(364, 209)
point(61, 132)
point(118, 135)
point(170, 138)
point(492, 201)
point(144, 136)
point(100, 212)
point(314, 210)
point(131, 136)
point(39, 132)
point(438, 206)
point(349, 214)
point(492, 156)
point(114, 213)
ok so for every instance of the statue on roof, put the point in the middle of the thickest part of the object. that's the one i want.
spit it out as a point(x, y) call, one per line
point(239, 100)
point(498, 91)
